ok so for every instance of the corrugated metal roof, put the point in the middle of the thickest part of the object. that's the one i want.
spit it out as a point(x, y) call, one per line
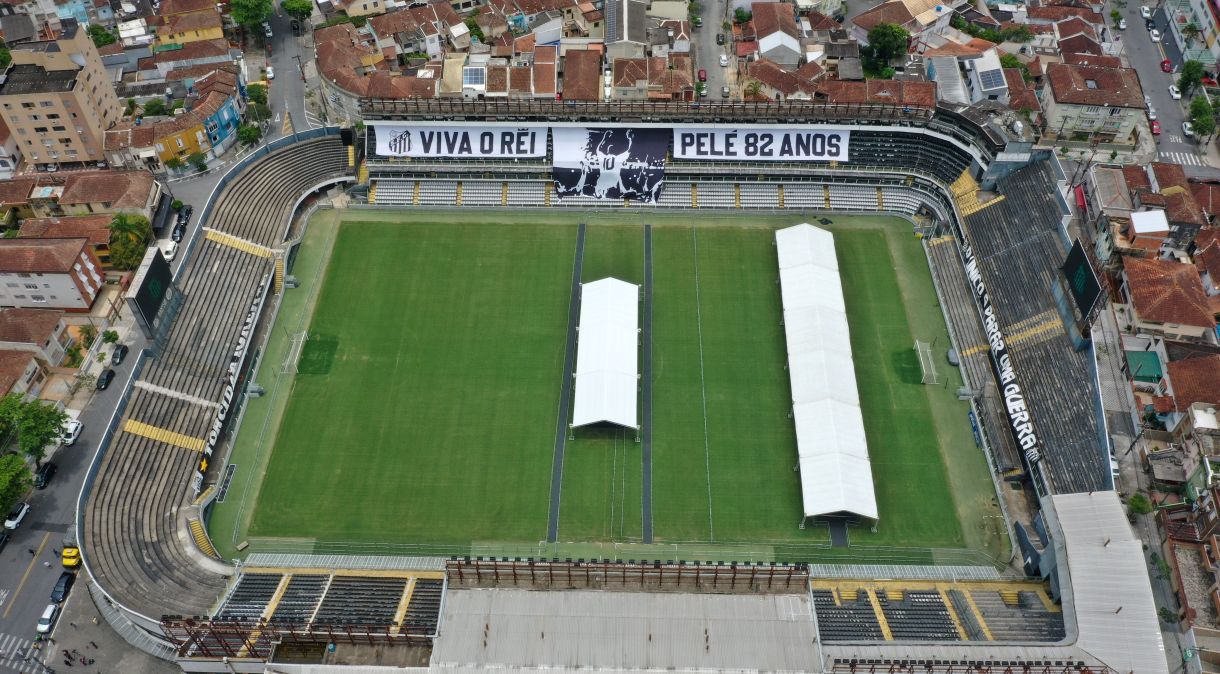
point(1112, 596)
point(625, 630)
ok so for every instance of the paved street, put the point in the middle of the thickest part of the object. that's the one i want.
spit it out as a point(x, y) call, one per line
point(707, 52)
point(1145, 57)
point(26, 578)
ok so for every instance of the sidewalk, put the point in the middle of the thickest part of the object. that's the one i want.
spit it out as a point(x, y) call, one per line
point(82, 632)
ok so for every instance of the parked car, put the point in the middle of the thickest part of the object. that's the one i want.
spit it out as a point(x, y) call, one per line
point(1151, 113)
point(1155, 126)
point(1166, 66)
point(1174, 92)
point(104, 379)
point(70, 432)
point(168, 250)
point(702, 75)
point(1147, 101)
point(1145, 12)
point(70, 557)
point(1149, 24)
point(1188, 130)
point(49, 615)
point(724, 91)
point(62, 587)
point(120, 352)
point(1154, 35)
point(1122, 24)
point(720, 38)
point(184, 215)
point(42, 478)
point(270, 73)
point(178, 233)
point(267, 30)
point(15, 516)
point(724, 60)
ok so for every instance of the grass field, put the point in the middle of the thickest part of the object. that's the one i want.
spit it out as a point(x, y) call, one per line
point(424, 413)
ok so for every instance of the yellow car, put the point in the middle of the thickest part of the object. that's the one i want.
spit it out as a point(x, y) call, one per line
point(71, 557)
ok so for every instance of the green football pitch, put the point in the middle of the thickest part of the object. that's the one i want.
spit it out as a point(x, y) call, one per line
point(422, 412)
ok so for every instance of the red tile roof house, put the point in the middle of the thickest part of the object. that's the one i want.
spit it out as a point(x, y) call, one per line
point(95, 228)
point(1105, 104)
point(21, 372)
point(777, 32)
point(432, 29)
point(49, 274)
point(1194, 380)
point(42, 332)
point(1207, 260)
point(1165, 297)
point(582, 75)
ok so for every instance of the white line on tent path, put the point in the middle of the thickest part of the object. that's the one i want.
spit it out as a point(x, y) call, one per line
point(707, 457)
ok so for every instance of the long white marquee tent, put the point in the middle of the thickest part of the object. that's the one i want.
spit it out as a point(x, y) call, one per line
point(836, 475)
point(607, 357)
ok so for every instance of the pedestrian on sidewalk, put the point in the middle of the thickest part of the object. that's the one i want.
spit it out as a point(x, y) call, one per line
point(31, 550)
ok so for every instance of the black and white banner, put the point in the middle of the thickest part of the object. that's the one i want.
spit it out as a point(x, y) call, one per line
point(761, 144)
point(1019, 422)
point(610, 163)
point(459, 142)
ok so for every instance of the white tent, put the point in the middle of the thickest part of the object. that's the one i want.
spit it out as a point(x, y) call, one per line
point(836, 476)
point(607, 363)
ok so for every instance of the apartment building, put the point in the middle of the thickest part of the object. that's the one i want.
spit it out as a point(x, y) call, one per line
point(56, 100)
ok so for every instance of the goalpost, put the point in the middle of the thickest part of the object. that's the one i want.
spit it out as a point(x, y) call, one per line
point(294, 352)
point(927, 366)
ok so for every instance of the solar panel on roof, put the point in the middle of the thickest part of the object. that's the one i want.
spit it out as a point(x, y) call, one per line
point(992, 79)
point(474, 77)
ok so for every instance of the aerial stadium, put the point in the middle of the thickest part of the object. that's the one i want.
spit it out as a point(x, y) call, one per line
point(474, 387)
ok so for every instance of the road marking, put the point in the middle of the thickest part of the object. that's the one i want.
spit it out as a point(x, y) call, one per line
point(10, 646)
point(26, 576)
point(1183, 158)
point(3, 596)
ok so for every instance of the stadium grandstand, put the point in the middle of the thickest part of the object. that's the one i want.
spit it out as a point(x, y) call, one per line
point(1084, 609)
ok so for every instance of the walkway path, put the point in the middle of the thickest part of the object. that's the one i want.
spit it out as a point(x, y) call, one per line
point(565, 393)
point(646, 394)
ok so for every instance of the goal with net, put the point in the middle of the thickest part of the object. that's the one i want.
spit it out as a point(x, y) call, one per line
point(927, 366)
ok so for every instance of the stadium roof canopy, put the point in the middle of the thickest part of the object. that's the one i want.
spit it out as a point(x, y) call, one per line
point(607, 363)
point(836, 475)
point(1107, 585)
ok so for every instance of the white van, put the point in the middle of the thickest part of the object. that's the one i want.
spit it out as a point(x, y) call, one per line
point(168, 250)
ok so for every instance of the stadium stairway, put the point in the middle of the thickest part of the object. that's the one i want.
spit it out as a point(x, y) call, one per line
point(137, 548)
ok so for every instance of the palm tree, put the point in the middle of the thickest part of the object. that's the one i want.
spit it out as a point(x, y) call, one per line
point(134, 228)
point(753, 89)
point(1191, 31)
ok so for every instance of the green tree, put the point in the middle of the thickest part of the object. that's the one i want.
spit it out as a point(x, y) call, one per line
point(154, 108)
point(473, 26)
point(740, 15)
point(176, 204)
point(174, 163)
point(753, 89)
point(1116, 16)
point(15, 480)
point(885, 41)
point(257, 93)
point(110, 337)
point(129, 236)
point(248, 134)
point(10, 412)
point(249, 13)
point(1190, 76)
point(198, 160)
point(1139, 504)
point(40, 425)
point(6, 57)
point(1010, 61)
point(297, 9)
point(88, 333)
point(1191, 31)
point(101, 36)
point(1202, 116)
